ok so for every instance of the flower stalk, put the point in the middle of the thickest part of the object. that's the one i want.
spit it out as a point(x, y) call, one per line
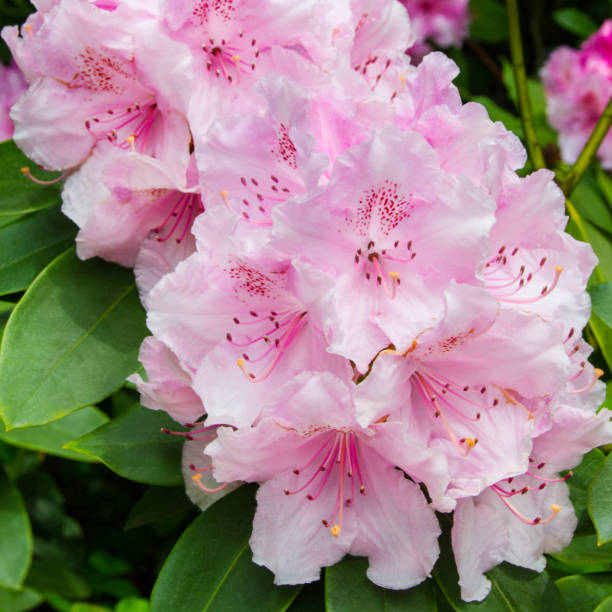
point(520, 77)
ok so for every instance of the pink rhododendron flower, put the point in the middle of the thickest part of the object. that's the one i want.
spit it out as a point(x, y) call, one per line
point(367, 228)
point(444, 22)
point(12, 85)
point(331, 487)
point(578, 85)
point(543, 520)
point(120, 199)
point(101, 83)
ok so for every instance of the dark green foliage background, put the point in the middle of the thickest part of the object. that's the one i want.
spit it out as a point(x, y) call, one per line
point(93, 514)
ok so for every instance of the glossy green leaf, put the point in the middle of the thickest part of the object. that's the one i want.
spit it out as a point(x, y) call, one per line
point(27, 246)
point(210, 567)
point(134, 446)
point(159, 504)
point(18, 194)
point(589, 200)
point(600, 501)
point(5, 310)
point(52, 437)
point(575, 21)
point(578, 487)
point(538, 102)
point(584, 593)
point(488, 21)
point(8, 219)
point(513, 589)
point(15, 535)
point(603, 335)
point(583, 550)
point(70, 342)
point(54, 576)
point(18, 601)
point(601, 300)
point(605, 605)
point(365, 595)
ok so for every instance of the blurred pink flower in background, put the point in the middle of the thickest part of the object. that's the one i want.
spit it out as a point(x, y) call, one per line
point(444, 22)
point(578, 85)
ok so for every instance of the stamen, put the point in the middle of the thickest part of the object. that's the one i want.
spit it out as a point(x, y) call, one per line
point(562, 479)
point(428, 396)
point(197, 478)
point(597, 374)
point(545, 291)
point(26, 172)
point(538, 520)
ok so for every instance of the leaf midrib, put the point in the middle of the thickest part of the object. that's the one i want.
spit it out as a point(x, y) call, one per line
point(225, 576)
point(503, 595)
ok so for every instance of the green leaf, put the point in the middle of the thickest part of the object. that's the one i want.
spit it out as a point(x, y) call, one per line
point(488, 21)
point(8, 219)
point(583, 550)
point(604, 182)
point(5, 310)
point(158, 504)
point(134, 446)
point(605, 605)
point(584, 593)
point(578, 487)
point(601, 300)
point(15, 536)
point(365, 595)
point(87, 607)
point(133, 604)
point(27, 246)
point(55, 577)
point(108, 564)
point(52, 437)
point(513, 589)
point(538, 102)
point(18, 194)
point(18, 601)
point(575, 21)
point(603, 335)
point(70, 342)
point(592, 206)
point(210, 567)
point(600, 501)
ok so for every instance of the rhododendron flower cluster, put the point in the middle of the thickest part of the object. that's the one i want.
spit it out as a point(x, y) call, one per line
point(354, 300)
point(578, 85)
